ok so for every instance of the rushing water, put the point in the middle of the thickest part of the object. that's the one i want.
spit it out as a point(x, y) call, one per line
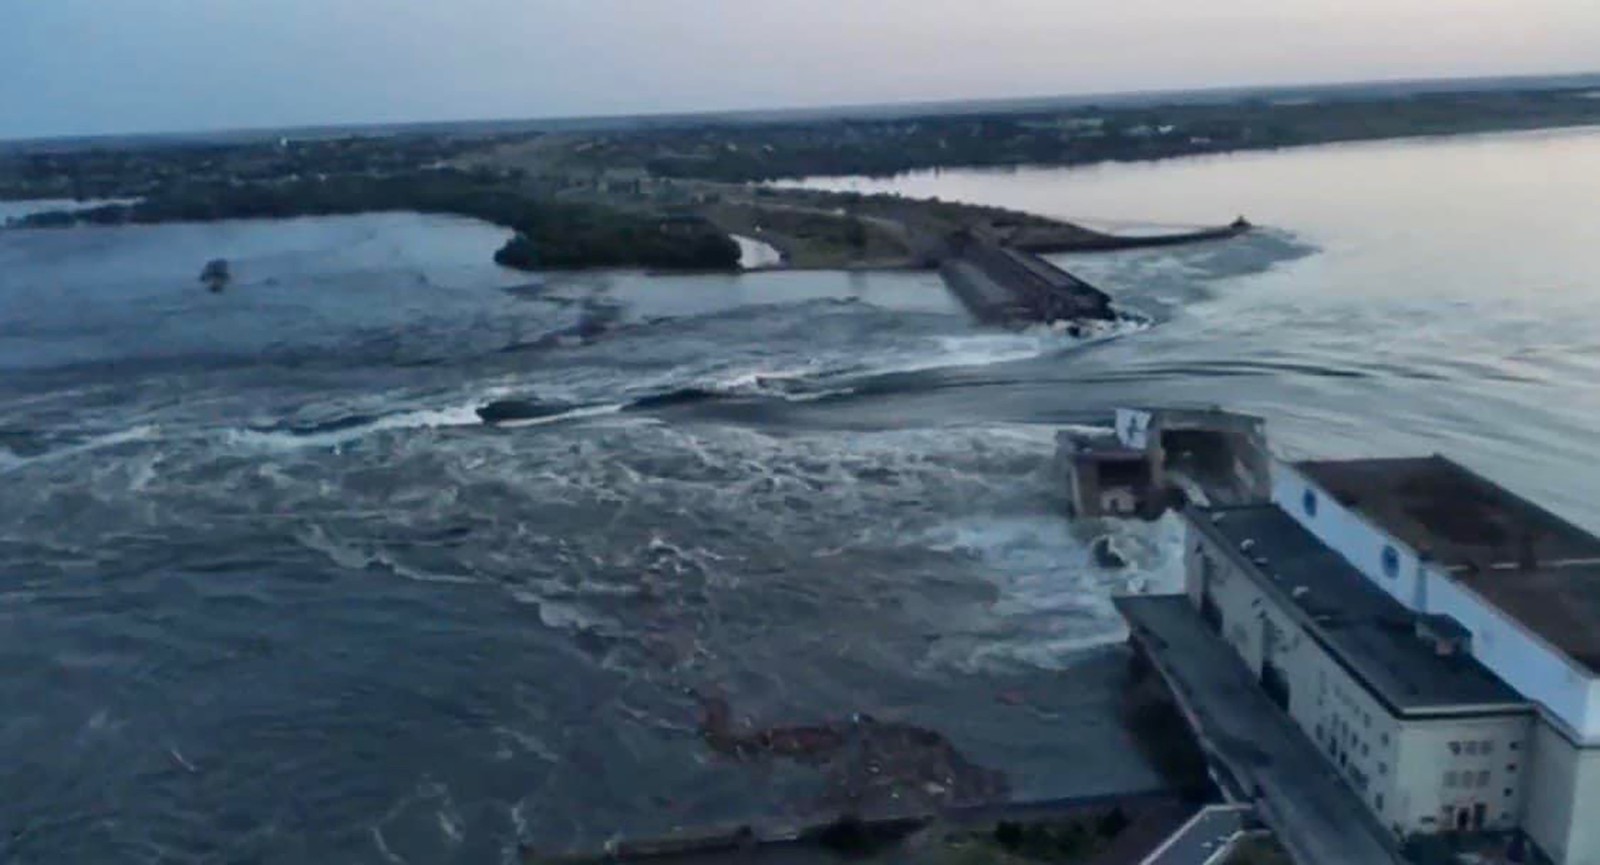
point(270, 592)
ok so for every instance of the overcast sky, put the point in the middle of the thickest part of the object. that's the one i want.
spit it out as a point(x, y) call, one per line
point(107, 66)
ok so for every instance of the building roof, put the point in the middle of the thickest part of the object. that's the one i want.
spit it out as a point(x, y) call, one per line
point(1560, 604)
point(1370, 633)
point(1448, 512)
point(1533, 565)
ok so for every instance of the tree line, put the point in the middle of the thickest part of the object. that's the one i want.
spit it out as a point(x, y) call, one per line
point(549, 235)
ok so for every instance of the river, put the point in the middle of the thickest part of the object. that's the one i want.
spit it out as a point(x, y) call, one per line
point(1446, 297)
point(269, 591)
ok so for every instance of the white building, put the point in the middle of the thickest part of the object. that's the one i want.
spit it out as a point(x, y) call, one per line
point(1437, 636)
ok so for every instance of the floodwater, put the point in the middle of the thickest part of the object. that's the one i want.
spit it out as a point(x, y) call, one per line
point(1446, 297)
point(270, 591)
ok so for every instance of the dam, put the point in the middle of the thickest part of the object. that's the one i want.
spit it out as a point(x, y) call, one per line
point(1002, 280)
point(1005, 286)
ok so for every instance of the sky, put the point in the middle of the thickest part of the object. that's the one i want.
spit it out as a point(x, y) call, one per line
point(73, 67)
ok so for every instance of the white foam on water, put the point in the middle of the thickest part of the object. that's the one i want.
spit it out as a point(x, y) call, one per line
point(984, 349)
point(798, 380)
point(758, 379)
point(571, 415)
point(383, 847)
point(529, 743)
point(345, 556)
point(988, 349)
point(353, 557)
point(1054, 601)
point(400, 569)
point(284, 440)
point(1087, 431)
point(461, 415)
point(133, 434)
point(755, 254)
point(773, 383)
point(451, 823)
point(147, 432)
point(557, 615)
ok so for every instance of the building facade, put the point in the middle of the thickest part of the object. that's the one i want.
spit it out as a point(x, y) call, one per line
point(1522, 581)
point(1433, 634)
point(1417, 735)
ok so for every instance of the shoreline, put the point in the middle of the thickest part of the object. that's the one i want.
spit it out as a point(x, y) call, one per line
point(800, 182)
point(809, 228)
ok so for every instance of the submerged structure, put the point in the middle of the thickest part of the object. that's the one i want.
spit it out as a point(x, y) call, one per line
point(1427, 636)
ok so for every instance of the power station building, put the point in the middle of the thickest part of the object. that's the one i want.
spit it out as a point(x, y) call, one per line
point(1436, 636)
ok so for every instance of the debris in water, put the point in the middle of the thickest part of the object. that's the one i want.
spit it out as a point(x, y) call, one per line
point(867, 764)
point(216, 275)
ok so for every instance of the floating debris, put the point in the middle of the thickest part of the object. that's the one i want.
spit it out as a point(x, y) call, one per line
point(216, 275)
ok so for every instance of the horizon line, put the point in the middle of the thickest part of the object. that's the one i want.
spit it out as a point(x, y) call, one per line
point(710, 114)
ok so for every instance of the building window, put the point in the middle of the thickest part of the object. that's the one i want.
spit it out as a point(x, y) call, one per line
point(1455, 748)
point(1383, 768)
point(1385, 740)
point(1511, 767)
point(1472, 748)
point(1486, 747)
point(1483, 777)
point(1509, 791)
point(1308, 503)
point(1514, 745)
point(1450, 779)
point(1391, 562)
point(1378, 801)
